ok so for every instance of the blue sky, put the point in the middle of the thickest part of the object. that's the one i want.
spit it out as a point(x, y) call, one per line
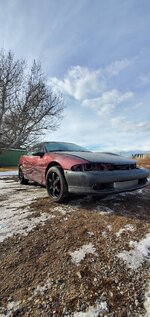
point(98, 54)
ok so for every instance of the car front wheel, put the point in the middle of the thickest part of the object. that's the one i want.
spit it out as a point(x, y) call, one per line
point(56, 184)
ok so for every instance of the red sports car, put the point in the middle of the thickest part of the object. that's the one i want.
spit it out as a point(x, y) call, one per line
point(68, 168)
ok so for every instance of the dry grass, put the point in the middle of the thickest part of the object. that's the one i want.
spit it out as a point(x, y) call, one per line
point(5, 169)
point(144, 162)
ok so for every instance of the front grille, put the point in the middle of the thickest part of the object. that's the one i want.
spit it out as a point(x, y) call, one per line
point(115, 167)
point(123, 167)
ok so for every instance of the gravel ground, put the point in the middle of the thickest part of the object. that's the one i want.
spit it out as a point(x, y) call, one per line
point(85, 258)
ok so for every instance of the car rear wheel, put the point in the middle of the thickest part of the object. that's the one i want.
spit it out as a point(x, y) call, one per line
point(56, 184)
point(22, 180)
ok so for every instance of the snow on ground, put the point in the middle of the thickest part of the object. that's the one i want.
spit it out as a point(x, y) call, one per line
point(16, 218)
point(107, 229)
point(19, 222)
point(64, 210)
point(103, 210)
point(125, 229)
point(147, 301)
point(79, 255)
point(139, 253)
point(13, 218)
point(42, 288)
point(94, 311)
point(9, 173)
point(11, 308)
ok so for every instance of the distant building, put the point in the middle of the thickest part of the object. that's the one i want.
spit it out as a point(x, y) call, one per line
point(140, 155)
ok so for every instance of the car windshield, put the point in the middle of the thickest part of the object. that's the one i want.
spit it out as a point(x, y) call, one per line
point(63, 146)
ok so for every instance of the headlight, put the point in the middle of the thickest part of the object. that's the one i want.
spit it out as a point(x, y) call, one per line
point(77, 168)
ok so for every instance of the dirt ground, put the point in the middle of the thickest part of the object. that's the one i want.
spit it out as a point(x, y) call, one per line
point(85, 258)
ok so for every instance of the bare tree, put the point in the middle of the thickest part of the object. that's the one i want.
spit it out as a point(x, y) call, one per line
point(28, 105)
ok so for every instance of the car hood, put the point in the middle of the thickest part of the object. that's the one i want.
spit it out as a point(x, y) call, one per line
point(100, 157)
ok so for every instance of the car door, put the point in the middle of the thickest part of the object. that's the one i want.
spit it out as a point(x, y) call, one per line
point(38, 163)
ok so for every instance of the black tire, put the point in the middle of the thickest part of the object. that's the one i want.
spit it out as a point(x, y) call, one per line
point(56, 184)
point(22, 180)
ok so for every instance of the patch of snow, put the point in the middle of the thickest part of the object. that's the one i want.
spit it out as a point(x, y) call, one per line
point(64, 210)
point(73, 205)
point(140, 191)
point(9, 173)
point(147, 301)
point(103, 210)
point(109, 227)
point(125, 229)
point(14, 188)
point(15, 214)
point(19, 221)
point(42, 288)
point(136, 257)
point(104, 233)
point(11, 308)
point(90, 234)
point(79, 255)
point(133, 193)
point(100, 308)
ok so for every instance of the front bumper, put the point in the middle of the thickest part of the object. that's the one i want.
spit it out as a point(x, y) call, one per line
point(104, 182)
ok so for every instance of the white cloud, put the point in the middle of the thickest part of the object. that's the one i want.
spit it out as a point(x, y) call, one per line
point(138, 105)
point(96, 111)
point(83, 126)
point(108, 101)
point(116, 67)
point(124, 125)
point(82, 82)
point(144, 80)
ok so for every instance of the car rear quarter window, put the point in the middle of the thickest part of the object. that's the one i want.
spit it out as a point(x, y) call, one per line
point(36, 149)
